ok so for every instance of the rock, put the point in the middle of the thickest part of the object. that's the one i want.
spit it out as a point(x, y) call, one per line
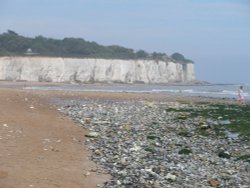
point(97, 152)
point(224, 154)
point(157, 185)
point(92, 134)
point(5, 125)
point(213, 182)
point(87, 174)
point(127, 181)
point(87, 121)
point(118, 182)
point(123, 161)
point(142, 181)
point(171, 177)
point(135, 148)
point(204, 126)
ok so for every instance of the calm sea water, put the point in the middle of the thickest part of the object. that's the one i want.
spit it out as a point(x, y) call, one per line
point(222, 91)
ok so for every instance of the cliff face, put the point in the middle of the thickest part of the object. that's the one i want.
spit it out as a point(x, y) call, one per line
point(93, 70)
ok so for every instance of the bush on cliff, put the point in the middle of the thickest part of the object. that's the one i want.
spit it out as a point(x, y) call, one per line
point(179, 57)
point(12, 44)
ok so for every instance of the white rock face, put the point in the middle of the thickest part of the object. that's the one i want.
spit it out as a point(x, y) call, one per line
point(49, 69)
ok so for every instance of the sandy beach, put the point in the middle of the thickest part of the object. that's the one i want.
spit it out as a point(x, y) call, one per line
point(42, 147)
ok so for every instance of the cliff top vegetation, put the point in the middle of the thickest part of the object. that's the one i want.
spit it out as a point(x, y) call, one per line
point(13, 44)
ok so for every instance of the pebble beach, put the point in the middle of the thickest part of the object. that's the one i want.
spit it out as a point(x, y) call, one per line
point(153, 143)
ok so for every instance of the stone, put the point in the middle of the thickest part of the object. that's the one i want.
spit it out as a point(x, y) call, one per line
point(171, 177)
point(98, 152)
point(87, 121)
point(213, 182)
point(157, 185)
point(118, 182)
point(224, 154)
point(204, 126)
point(92, 134)
point(87, 174)
point(135, 148)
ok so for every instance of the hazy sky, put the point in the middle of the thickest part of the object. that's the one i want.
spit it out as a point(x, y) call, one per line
point(215, 34)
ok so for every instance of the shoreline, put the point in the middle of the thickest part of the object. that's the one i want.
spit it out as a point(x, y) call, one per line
point(144, 94)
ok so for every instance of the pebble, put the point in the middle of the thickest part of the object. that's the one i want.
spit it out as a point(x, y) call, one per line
point(87, 174)
point(171, 177)
point(139, 144)
point(92, 134)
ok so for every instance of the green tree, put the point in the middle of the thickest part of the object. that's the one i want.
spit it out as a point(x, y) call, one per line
point(13, 44)
point(179, 57)
point(141, 54)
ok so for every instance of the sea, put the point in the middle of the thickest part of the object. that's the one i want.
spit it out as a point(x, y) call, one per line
point(228, 91)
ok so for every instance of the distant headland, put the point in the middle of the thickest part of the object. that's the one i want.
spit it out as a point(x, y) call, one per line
point(79, 61)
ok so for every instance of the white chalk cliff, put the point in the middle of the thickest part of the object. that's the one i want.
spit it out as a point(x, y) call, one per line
point(50, 69)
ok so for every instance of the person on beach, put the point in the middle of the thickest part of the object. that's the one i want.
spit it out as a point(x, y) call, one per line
point(241, 97)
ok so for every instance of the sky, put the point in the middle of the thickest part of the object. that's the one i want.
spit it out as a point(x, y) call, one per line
point(215, 34)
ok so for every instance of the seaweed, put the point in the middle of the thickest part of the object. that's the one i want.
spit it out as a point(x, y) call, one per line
point(245, 158)
point(185, 151)
point(231, 117)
